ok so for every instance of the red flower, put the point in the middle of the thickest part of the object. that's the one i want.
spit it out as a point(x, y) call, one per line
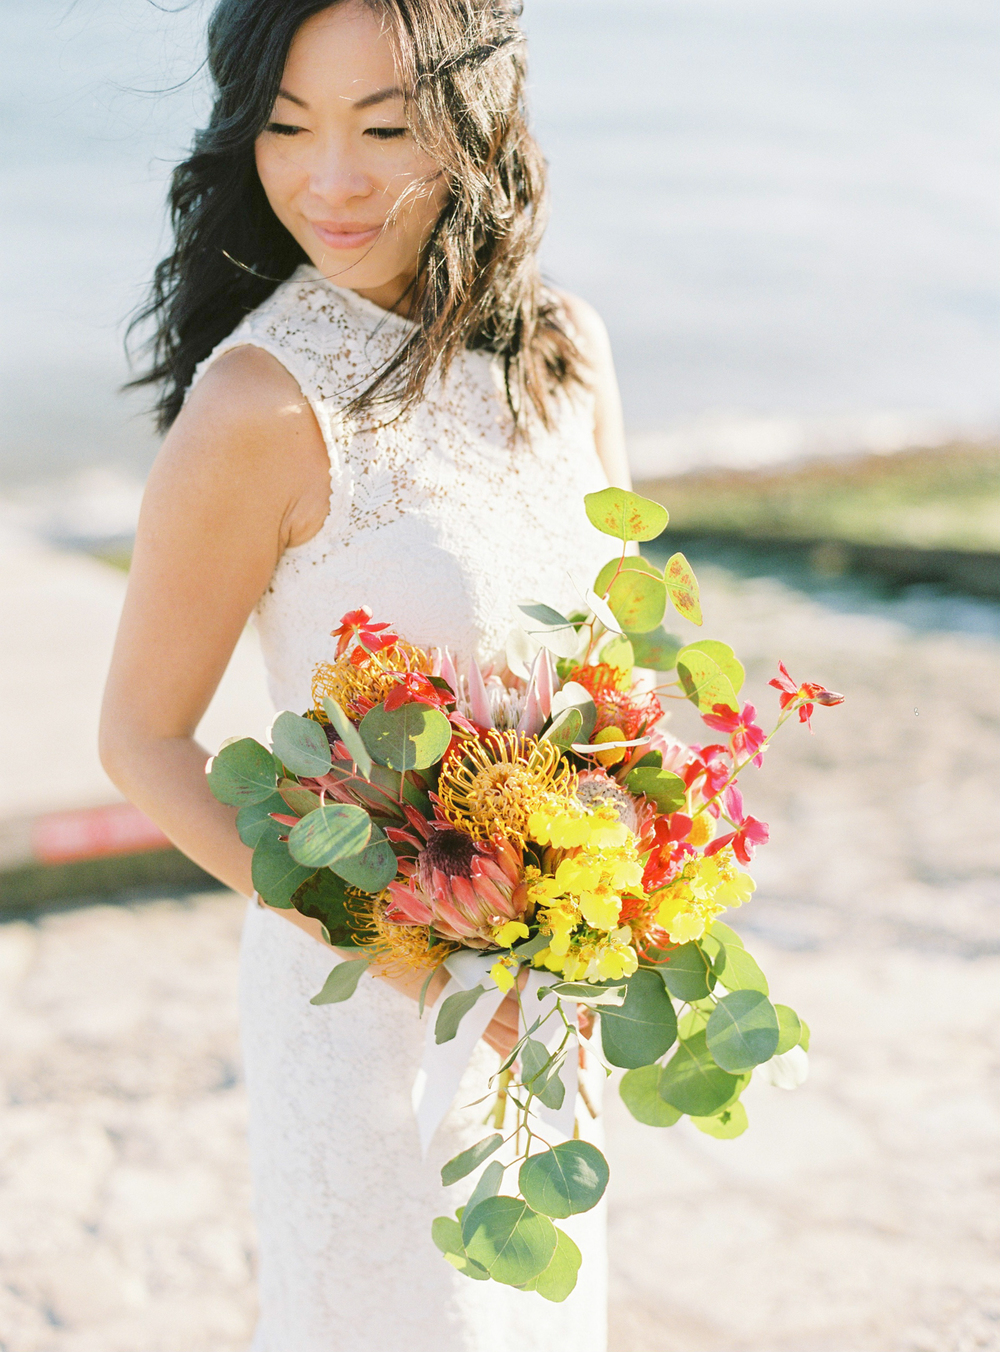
point(745, 737)
point(749, 831)
point(714, 762)
point(668, 851)
point(807, 693)
point(415, 688)
point(357, 624)
point(633, 711)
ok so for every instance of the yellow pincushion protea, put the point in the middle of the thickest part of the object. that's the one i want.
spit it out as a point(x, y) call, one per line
point(703, 891)
point(493, 786)
point(359, 687)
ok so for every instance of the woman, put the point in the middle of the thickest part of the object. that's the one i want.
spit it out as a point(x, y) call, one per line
point(371, 400)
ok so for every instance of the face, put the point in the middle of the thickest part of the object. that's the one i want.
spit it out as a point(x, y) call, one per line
point(338, 162)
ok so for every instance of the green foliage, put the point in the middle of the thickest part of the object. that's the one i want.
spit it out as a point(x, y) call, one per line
point(565, 729)
point(487, 1186)
point(693, 1082)
point(551, 629)
point(372, 869)
point(682, 588)
point(453, 1011)
point(724, 1125)
point(470, 1159)
point(740, 972)
point(640, 1092)
point(275, 874)
point(243, 773)
point(725, 935)
point(656, 649)
point(342, 982)
point(513, 1243)
point(687, 973)
point(625, 515)
point(630, 563)
point(564, 1181)
point(412, 737)
point(447, 1235)
point(637, 601)
point(540, 1075)
point(254, 820)
point(333, 832)
point(668, 791)
point(574, 696)
point(704, 682)
point(618, 653)
point(559, 1278)
point(323, 897)
point(640, 1030)
point(804, 1039)
point(789, 1029)
point(724, 657)
point(301, 745)
point(297, 799)
point(348, 734)
point(742, 1031)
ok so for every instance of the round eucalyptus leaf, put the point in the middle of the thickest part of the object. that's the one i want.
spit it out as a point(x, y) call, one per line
point(704, 682)
point(727, 661)
point(625, 515)
point(789, 1029)
point(243, 772)
point(725, 1125)
point(643, 1027)
point(512, 1242)
point(656, 649)
point(275, 874)
point(372, 869)
point(637, 601)
point(333, 832)
point(559, 1278)
point(563, 1181)
point(687, 973)
point(740, 972)
point(640, 1092)
point(692, 1081)
point(301, 745)
point(613, 567)
point(412, 737)
point(254, 820)
point(742, 1031)
point(663, 788)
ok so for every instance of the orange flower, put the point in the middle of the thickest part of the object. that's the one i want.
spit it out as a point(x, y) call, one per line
point(633, 711)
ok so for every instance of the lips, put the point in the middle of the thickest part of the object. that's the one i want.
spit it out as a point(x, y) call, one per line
point(346, 234)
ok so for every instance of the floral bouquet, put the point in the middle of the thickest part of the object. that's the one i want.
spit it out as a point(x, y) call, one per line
point(534, 827)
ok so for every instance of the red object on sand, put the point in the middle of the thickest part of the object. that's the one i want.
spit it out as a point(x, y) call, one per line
point(92, 833)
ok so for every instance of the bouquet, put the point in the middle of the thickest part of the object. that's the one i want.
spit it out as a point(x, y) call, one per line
point(533, 825)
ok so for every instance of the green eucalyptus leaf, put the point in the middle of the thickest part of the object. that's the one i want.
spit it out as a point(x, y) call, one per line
point(789, 1029)
point(487, 1185)
point(724, 658)
point(342, 982)
point(564, 1181)
point(301, 745)
point(576, 696)
point(470, 1159)
point(412, 737)
point(693, 1082)
point(625, 515)
point(540, 1075)
point(687, 974)
point(666, 790)
point(243, 773)
point(704, 682)
point(447, 1235)
point(324, 897)
point(565, 729)
point(630, 563)
point(637, 601)
point(513, 1243)
point(297, 799)
point(682, 588)
point(371, 870)
point(742, 1031)
point(725, 935)
point(804, 1039)
point(453, 1011)
point(656, 649)
point(740, 972)
point(559, 1278)
point(254, 820)
point(333, 832)
point(349, 735)
point(725, 1125)
point(643, 1027)
point(543, 614)
point(276, 875)
point(640, 1092)
point(617, 653)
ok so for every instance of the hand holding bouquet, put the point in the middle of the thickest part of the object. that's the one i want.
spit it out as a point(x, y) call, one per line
point(533, 818)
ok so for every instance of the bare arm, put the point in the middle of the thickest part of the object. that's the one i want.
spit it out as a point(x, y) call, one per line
point(609, 429)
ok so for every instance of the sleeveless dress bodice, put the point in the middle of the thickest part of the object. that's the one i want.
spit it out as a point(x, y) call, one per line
point(439, 520)
point(441, 523)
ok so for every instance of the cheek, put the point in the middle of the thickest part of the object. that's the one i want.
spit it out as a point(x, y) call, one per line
point(278, 175)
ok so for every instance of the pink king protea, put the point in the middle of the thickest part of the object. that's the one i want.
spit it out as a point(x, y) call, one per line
point(462, 888)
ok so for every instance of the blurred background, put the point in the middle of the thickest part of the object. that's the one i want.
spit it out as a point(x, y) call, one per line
point(787, 213)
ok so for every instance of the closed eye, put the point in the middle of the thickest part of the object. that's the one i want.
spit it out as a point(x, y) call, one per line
point(386, 133)
point(282, 129)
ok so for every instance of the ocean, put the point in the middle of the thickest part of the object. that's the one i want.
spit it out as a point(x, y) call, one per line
point(786, 211)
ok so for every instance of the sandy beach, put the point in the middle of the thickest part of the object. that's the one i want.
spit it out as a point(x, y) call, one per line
point(858, 1214)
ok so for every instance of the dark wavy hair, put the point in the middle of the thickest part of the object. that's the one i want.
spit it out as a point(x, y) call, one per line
point(478, 286)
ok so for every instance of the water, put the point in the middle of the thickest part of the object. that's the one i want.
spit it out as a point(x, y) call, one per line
point(786, 211)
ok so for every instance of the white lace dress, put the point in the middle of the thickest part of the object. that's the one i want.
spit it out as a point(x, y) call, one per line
point(441, 525)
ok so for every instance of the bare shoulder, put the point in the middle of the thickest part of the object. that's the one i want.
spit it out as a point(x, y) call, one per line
point(590, 328)
point(247, 391)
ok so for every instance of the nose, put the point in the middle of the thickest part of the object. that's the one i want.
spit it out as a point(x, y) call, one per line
point(337, 176)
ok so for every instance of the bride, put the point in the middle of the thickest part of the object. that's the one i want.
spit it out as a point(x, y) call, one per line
point(370, 398)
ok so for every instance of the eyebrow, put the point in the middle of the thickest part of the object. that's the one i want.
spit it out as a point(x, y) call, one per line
point(369, 101)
